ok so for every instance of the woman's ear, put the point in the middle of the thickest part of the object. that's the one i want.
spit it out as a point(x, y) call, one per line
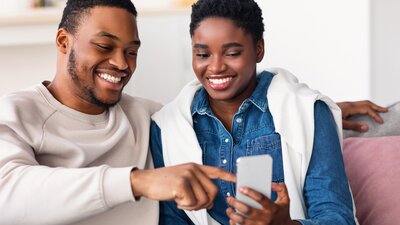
point(260, 50)
point(62, 41)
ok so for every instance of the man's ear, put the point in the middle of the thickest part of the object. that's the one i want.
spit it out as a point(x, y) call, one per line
point(62, 41)
point(260, 50)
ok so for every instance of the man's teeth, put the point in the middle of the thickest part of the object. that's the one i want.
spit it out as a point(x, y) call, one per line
point(220, 81)
point(110, 78)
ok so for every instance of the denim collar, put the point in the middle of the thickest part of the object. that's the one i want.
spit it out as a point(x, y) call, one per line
point(258, 98)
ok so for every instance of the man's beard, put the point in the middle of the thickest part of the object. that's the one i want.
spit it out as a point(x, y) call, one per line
point(85, 92)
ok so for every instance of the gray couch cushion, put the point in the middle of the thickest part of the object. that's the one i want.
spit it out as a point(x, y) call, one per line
point(391, 126)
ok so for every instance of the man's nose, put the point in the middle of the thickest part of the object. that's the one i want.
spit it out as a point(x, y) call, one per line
point(119, 60)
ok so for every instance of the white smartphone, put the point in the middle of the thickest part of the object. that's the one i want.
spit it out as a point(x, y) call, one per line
point(254, 172)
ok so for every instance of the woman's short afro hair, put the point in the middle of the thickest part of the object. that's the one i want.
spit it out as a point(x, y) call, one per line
point(246, 14)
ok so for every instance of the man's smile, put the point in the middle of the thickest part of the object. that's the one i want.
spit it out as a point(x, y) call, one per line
point(111, 78)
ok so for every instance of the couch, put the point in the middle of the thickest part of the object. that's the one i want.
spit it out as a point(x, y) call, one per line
point(372, 162)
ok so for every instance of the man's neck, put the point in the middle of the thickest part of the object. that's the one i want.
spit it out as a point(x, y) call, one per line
point(71, 100)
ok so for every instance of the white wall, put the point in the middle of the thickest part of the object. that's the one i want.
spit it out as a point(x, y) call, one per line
point(346, 49)
point(23, 66)
point(164, 59)
point(385, 50)
point(324, 43)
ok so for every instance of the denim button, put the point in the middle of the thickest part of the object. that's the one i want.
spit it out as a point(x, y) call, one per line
point(224, 161)
point(226, 140)
point(239, 120)
point(228, 194)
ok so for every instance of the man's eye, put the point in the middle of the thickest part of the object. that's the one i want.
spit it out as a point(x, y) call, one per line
point(132, 53)
point(104, 47)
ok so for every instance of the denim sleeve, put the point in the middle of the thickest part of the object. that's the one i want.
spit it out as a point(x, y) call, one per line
point(169, 212)
point(326, 191)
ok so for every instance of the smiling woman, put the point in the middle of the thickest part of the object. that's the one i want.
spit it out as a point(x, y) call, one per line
point(224, 61)
point(231, 106)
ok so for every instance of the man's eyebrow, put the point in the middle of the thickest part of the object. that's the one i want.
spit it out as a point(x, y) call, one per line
point(200, 46)
point(115, 38)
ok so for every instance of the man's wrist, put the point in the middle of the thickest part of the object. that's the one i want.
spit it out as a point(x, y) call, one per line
point(135, 183)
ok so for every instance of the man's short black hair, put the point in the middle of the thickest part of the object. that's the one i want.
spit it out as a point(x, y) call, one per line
point(75, 10)
point(246, 14)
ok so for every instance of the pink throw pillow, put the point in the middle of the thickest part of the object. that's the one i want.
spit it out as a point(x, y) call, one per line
point(373, 168)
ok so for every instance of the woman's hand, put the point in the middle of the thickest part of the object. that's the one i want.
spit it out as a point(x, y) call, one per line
point(271, 213)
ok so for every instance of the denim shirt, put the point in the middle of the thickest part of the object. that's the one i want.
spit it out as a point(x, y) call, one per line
point(326, 190)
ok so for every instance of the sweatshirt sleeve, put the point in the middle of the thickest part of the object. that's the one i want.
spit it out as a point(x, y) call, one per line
point(34, 194)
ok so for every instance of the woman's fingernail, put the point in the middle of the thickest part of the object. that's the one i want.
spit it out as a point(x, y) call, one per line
point(243, 190)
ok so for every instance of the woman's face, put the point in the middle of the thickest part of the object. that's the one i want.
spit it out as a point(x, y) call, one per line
point(224, 59)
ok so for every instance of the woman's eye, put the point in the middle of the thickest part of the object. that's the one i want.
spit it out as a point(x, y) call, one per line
point(233, 54)
point(202, 55)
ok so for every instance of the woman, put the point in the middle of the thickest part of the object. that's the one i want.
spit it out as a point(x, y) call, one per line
point(231, 111)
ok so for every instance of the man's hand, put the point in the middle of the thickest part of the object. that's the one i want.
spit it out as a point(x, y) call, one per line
point(271, 212)
point(358, 108)
point(189, 185)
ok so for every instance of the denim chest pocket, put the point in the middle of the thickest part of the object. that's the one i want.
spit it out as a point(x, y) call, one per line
point(271, 145)
point(268, 144)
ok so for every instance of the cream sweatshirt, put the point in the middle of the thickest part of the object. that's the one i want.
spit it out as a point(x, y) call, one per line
point(60, 166)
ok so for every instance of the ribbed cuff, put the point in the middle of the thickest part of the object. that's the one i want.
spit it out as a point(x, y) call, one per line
point(117, 186)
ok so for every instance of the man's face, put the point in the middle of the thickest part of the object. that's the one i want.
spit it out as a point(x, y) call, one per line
point(224, 59)
point(102, 56)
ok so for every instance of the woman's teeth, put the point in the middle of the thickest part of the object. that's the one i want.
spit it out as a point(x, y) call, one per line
point(220, 80)
point(110, 78)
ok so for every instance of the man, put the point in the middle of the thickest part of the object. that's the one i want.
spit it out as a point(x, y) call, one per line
point(72, 150)
point(360, 108)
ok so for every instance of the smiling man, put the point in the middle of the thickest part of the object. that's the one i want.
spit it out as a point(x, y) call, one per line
point(75, 150)
point(100, 58)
